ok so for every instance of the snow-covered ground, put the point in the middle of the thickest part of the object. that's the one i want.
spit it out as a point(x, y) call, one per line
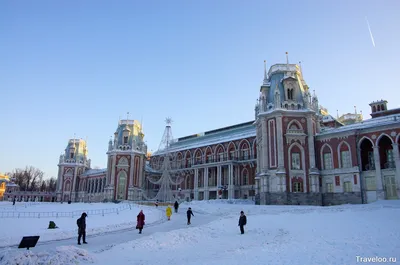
point(274, 235)
point(116, 217)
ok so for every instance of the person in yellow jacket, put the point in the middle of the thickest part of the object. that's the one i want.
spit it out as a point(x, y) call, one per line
point(168, 212)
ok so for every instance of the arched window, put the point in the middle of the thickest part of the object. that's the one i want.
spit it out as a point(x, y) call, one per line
point(290, 93)
point(245, 176)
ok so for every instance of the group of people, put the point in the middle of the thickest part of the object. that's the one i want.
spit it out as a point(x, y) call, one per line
point(81, 222)
point(168, 212)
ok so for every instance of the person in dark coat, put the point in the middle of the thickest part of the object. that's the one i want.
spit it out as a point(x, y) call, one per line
point(82, 228)
point(176, 206)
point(189, 214)
point(242, 222)
point(140, 221)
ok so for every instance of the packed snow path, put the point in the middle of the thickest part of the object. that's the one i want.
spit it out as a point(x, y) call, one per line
point(101, 242)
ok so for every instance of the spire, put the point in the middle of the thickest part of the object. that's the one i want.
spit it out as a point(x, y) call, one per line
point(265, 73)
point(355, 110)
point(337, 114)
point(127, 117)
point(287, 58)
point(277, 97)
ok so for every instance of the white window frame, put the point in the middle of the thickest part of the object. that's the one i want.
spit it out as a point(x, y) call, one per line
point(328, 164)
point(298, 186)
point(245, 154)
point(347, 187)
point(329, 187)
point(345, 159)
point(296, 163)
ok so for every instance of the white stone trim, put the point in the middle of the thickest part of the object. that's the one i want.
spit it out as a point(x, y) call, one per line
point(272, 160)
point(303, 163)
point(297, 123)
point(380, 136)
point(362, 139)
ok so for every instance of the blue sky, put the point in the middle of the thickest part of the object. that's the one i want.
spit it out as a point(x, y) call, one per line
point(76, 66)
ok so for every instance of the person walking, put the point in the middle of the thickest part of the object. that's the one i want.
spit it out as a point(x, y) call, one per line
point(242, 222)
point(176, 206)
point(81, 222)
point(140, 221)
point(168, 212)
point(189, 214)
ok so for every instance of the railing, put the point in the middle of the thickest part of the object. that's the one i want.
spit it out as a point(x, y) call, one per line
point(16, 214)
point(225, 159)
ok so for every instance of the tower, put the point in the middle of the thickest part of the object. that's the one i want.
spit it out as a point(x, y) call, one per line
point(126, 161)
point(72, 163)
point(286, 124)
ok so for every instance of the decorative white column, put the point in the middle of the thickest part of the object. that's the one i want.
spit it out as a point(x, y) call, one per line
point(396, 157)
point(264, 146)
point(311, 148)
point(196, 184)
point(206, 191)
point(279, 134)
point(114, 158)
point(378, 175)
point(230, 182)
point(59, 178)
point(219, 173)
point(131, 171)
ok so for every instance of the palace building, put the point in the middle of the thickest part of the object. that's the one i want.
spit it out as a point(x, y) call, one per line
point(293, 152)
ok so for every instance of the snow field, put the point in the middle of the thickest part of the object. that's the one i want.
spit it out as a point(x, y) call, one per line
point(273, 235)
point(16, 228)
point(289, 235)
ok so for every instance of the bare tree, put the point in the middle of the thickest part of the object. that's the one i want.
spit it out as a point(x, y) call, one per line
point(29, 178)
point(34, 177)
point(51, 184)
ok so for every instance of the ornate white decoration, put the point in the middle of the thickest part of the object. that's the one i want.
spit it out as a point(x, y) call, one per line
point(373, 136)
point(393, 134)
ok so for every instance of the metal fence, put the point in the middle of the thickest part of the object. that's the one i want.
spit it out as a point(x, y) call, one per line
point(72, 214)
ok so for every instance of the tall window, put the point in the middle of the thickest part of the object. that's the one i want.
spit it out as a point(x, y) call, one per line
point(297, 186)
point(328, 161)
point(71, 155)
point(345, 159)
point(221, 156)
point(290, 93)
point(231, 155)
point(390, 159)
point(296, 161)
point(125, 139)
point(371, 161)
point(209, 157)
point(329, 187)
point(245, 178)
point(347, 186)
point(245, 154)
